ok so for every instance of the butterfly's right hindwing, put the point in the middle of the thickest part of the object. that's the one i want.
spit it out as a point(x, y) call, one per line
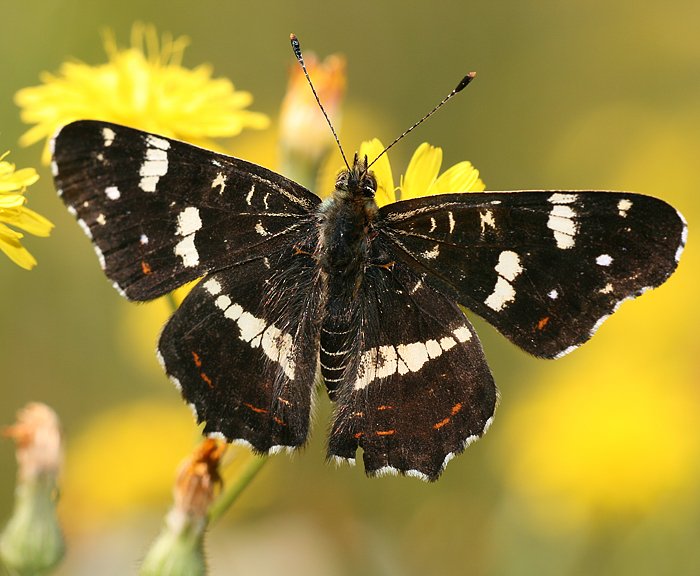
point(161, 212)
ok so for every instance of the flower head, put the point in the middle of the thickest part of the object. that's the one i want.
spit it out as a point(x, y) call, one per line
point(144, 86)
point(421, 178)
point(13, 212)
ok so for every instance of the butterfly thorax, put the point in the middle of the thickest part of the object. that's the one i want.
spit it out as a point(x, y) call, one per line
point(345, 221)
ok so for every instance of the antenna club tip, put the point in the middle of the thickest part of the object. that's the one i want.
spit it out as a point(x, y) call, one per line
point(465, 81)
point(293, 37)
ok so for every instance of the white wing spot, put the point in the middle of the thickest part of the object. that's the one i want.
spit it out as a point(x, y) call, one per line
point(486, 218)
point(101, 220)
point(452, 221)
point(509, 265)
point(559, 198)
point(553, 294)
point(260, 229)
point(604, 260)
point(112, 192)
point(249, 196)
point(219, 181)
point(143, 240)
point(462, 334)
point(607, 289)
point(623, 206)
point(503, 293)
point(433, 253)
point(562, 220)
point(508, 269)
point(155, 164)
point(188, 223)
point(108, 135)
point(54, 168)
point(212, 286)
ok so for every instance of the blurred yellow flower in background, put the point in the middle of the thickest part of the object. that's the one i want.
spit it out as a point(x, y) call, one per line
point(13, 212)
point(613, 442)
point(124, 460)
point(421, 178)
point(145, 87)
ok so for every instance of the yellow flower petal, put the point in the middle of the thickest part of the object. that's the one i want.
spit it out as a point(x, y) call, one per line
point(461, 177)
point(10, 245)
point(421, 172)
point(386, 193)
point(13, 212)
point(31, 222)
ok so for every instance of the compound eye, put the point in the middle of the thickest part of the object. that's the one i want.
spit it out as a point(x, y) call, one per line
point(368, 191)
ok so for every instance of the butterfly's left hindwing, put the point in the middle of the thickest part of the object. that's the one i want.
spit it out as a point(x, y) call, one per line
point(243, 349)
point(161, 212)
point(545, 268)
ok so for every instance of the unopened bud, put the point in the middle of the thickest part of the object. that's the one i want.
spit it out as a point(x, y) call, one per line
point(32, 542)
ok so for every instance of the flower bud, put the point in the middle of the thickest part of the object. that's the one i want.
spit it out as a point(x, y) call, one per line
point(305, 137)
point(179, 549)
point(32, 542)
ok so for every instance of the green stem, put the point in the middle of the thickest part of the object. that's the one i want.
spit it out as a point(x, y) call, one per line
point(244, 477)
point(236, 487)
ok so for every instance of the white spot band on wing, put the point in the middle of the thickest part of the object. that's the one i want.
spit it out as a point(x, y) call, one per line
point(383, 361)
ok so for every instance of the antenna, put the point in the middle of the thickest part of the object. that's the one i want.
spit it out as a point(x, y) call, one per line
point(461, 86)
point(297, 52)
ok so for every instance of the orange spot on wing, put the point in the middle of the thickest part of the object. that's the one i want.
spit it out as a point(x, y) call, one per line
point(279, 421)
point(456, 408)
point(285, 402)
point(145, 266)
point(206, 378)
point(255, 408)
point(197, 360)
point(385, 407)
point(358, 434)
point(385, 432)
point(543, 322)
point(441, 424)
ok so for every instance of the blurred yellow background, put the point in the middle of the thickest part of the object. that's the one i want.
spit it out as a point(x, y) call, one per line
point(592, 465)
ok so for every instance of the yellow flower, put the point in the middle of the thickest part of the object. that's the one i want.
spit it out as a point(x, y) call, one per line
point(145, 87)
point(13, 212)
point(421, 178)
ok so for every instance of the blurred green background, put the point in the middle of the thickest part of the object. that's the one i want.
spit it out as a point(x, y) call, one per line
point(592, 464)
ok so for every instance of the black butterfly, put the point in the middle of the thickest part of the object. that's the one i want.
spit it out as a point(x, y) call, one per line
point(365, 297)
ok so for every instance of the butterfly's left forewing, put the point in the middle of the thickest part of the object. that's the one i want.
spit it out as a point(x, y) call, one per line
point(162, 212)
point(545, 268)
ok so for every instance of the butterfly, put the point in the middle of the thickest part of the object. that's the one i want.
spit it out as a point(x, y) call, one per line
point(295, 290)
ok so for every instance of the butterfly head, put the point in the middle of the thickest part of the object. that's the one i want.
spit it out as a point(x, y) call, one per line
point(357, 183)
